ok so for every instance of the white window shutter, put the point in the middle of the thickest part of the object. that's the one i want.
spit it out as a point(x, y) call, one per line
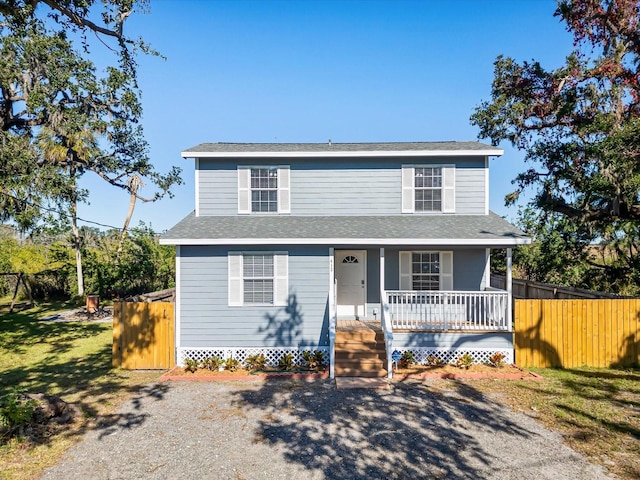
point(448, 189)
point(281, 279)
point(405, 271)
point(408, 194)
point(244, 190)
point(284, 190)
point(236, 290)
point(446, 271)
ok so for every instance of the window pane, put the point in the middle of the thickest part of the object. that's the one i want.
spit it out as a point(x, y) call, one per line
point(258, 291)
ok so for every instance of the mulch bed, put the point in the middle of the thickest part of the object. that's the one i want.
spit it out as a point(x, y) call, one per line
point(179, 373)
point(451, 372)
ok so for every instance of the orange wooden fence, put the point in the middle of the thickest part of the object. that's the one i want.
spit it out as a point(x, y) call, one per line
point(143, 335)
point(574, 333)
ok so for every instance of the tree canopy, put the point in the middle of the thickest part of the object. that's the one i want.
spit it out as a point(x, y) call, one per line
point(59, 116)
point(579, 126)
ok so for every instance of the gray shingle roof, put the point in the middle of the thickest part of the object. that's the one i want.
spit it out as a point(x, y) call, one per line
point(486, 230)
point(339, 147)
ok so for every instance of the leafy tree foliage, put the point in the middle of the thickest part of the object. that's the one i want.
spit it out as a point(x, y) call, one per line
point(579, 126)
point(59, 117)
point(49, 261)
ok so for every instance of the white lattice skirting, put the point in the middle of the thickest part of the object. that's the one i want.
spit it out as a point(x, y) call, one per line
point(271, 354)
point(450, 355)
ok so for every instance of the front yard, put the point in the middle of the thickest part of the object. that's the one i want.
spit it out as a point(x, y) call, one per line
point(71, 360)
point(596, 411)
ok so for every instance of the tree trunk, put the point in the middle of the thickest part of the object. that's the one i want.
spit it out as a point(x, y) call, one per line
point(134, 183)
point(76, 246)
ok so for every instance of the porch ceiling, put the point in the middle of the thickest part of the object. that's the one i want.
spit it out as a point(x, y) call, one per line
point(429, 230)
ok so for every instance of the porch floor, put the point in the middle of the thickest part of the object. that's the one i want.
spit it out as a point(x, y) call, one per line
point(356, 325)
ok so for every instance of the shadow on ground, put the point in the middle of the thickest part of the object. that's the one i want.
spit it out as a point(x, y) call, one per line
point(409, 432)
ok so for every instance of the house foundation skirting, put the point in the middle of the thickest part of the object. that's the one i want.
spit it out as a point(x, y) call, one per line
point(450, 355)
point(271, 354)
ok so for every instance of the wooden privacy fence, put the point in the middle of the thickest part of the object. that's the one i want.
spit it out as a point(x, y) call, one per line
point(143, 335)
point(574, 333)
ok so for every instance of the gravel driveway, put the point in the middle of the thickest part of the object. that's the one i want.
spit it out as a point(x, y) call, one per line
point(288, 430)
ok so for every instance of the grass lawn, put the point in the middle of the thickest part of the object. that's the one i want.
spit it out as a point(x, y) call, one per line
point(597, 411)
point(71, 360)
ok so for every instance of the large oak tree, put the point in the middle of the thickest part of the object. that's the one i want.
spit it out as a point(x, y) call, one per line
point(60, 117)
point(579, 126)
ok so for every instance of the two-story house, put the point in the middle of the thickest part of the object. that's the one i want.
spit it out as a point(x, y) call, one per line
point(357, 249)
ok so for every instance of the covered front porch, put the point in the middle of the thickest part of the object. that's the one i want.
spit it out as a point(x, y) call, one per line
point(440, 323)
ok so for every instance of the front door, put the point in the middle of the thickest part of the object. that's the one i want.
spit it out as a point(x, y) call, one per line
point(351, 282)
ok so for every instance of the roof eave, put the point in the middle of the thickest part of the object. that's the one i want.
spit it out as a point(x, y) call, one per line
point(494, 152)
point(454, 242)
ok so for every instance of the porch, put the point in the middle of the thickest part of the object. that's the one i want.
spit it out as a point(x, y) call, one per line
point(443, 323)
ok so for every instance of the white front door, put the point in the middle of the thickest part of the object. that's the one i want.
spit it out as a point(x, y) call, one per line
point(351, 282)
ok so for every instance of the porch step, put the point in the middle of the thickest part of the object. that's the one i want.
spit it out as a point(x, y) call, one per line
point(360, 373)
point(360, 351)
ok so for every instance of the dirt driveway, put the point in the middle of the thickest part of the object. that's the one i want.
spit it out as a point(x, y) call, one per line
point(289, 429)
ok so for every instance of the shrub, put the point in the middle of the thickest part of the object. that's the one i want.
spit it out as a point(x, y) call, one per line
point(497, 360)
point(286, 361)
point(190, 365)
point(313, 360)
point(464, 361)
point(231, 364)
point(434, 361)
point(407, 359)
point(212, 363)
point(255, 362)
point(15, 410)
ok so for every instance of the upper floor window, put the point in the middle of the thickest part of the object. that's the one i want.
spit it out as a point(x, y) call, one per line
point(428, 189)
point(263, 189)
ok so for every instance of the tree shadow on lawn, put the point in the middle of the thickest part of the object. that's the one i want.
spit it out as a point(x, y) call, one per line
point(408, 432)
point(88, 381)
point(20, 331)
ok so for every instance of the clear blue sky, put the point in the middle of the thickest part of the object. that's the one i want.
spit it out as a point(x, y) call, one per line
point(309, 71)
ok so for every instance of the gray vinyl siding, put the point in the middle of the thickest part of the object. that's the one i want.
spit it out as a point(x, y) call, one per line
point(206, 320)
point(468, 267)
point(452, 340)
point(340, 186)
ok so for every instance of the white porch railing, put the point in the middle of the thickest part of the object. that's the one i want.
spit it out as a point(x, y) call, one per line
point(437, 310)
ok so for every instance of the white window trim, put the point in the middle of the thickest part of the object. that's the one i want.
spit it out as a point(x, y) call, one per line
point(445, 275)
point(244, 189)
point(448, 188)
point(235, 281)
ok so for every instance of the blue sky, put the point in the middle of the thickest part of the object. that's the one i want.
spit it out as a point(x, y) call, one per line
point(309, 71)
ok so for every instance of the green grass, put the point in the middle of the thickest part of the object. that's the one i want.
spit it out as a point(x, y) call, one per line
point(69, 359)
point(596, 410)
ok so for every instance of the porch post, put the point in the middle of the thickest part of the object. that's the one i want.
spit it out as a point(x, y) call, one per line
point(382, 289)
point(332, 318)
point(508, 281)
